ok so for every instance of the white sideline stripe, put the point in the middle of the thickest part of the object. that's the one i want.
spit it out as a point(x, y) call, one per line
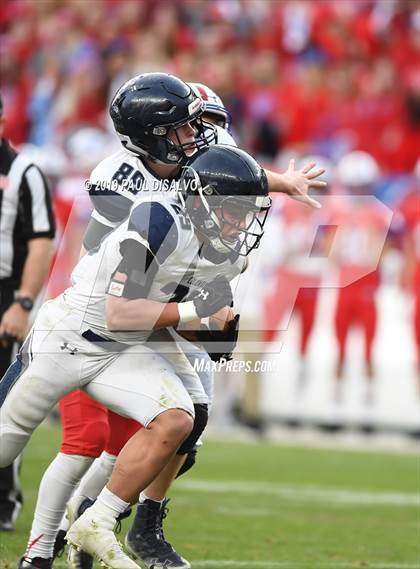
point(246, 564)
point(296, 565)
point(303, 493)
point(260, 512)
point(216, 563)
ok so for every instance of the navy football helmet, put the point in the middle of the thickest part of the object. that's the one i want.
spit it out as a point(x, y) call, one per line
point(220, 184)
point(148, 106)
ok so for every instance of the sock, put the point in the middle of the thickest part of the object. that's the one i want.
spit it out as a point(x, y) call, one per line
point(93, 481)
point(106, 509)
point(144, 497)
point(97, 476)
point(55, 489)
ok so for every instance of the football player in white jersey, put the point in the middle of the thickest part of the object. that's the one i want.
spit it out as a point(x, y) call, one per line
point(134, 279)
point(116, 181)
point(149, 515)
point(115, 184)
point(158, 157)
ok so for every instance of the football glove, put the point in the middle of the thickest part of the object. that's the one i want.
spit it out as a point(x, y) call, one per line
point(220, 344)
point(212, 297)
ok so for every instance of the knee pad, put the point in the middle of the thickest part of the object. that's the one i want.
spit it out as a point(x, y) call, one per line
point(200, 422)
point(189, 463)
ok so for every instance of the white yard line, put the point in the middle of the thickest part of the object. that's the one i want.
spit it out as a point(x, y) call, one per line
point(243, 564)
point(304, 493)
point(216, 563)
point(235, 564)
point(246, 512)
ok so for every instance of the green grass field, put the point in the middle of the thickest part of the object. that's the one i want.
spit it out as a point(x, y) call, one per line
point(262, 506)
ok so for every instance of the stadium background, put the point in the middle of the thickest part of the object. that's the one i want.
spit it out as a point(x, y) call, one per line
point(299, 79)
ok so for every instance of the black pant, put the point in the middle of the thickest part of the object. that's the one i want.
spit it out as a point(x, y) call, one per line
point(10, 491)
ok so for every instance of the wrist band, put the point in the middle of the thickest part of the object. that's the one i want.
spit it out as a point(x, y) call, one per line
point(187, 312)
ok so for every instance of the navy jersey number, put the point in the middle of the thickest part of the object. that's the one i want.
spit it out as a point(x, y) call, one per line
point(184, 220)
point(128, 178)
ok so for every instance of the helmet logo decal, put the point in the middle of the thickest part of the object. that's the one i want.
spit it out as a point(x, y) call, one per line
point(160, 130)
point(202, 92)
point(195, 105)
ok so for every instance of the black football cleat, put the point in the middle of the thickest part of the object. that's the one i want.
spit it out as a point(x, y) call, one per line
point(35, 563)
point(145, 539)
point(8, 515)
point(59, 544)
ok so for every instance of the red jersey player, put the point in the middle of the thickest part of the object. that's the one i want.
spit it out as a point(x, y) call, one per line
point(362, 225)
point(297, 275)
point(410, 211)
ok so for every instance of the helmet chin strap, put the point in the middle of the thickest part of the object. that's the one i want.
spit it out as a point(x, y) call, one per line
point(219, 246)
point(213, 221)
point(201, 193)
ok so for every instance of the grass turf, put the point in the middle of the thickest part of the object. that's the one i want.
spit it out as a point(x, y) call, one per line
point(262, 506)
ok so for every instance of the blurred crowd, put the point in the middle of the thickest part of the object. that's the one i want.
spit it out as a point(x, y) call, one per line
point(320, 77)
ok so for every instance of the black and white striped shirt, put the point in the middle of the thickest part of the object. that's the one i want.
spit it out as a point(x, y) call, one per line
point(25, 211)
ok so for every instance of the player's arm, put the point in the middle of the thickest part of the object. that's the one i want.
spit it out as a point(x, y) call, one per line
point(150, 239)
point(127, 305)
point(128, 309)
point(111, 207)
point(297, 183)
point(139, 314)
point(294, 183)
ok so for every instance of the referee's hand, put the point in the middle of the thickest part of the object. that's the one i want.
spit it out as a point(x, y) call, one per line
point(14, 323)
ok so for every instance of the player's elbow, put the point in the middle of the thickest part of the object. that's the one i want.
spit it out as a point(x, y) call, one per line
point(124, 314)
point(112, 324)
point(114, 315)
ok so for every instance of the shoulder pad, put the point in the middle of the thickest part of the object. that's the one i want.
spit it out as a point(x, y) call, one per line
point(113, 206)
point(156, 225)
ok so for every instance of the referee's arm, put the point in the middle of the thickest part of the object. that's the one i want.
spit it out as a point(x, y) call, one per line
point(36, 210)
point(39, 231)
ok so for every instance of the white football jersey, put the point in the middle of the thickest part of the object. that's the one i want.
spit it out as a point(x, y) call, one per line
point(117, 182)
point(160, 224)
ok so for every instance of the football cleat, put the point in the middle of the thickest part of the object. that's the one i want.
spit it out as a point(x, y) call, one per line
point(146, 541)
point(8, 515)
point(59, 544)
point(94, 535)
point(78, 559)
point(35, 563)
point(75, 508)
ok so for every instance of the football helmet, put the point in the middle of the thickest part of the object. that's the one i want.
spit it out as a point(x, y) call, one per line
point(148, 106)
point(357, 169)
point(223, 187)
point(213, 105)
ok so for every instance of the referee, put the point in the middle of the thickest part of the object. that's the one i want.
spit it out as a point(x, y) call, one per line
point(26, 249)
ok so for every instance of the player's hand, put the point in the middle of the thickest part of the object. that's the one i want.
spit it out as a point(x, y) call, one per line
point(299, 182)
point(219, 344)
point(212, 297)
point(14, 322)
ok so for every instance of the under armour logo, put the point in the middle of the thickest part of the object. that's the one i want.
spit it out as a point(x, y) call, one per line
point(69, 348)
point(203, 294)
